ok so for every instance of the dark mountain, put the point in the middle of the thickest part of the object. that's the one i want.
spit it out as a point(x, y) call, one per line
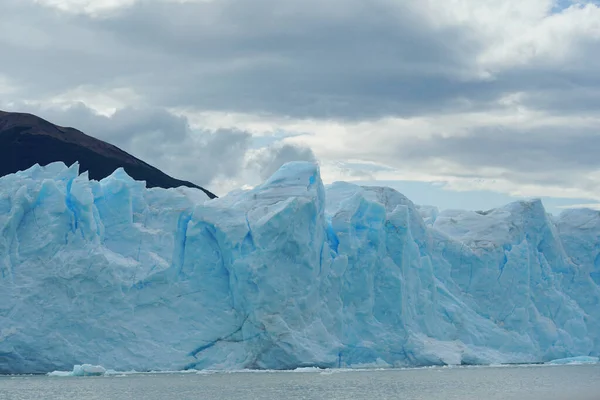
point(26, 140)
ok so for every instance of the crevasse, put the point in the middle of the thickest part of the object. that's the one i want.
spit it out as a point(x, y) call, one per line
point(289, 274)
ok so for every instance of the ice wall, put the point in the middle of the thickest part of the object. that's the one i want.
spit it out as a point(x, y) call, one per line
point(286, 275)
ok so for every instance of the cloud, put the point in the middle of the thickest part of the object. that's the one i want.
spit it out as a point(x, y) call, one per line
point(544, 157)
point(161, 138)
point(351, 59)
point(348, 59)
point(6, 87)
point(592, 206)
point(304, 59)
point(529, 151)
point(268, 160)
point(464, 91)
point(90, 7)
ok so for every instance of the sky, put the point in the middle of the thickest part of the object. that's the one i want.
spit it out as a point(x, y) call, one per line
point(456, 103)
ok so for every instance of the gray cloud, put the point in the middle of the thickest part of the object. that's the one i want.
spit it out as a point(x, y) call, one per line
point(348, 59)
point(337, 59)
point(163, 139)
point(327, 60)
point(124, 126)
point(271, 158)
point(547, 155)
point(374, 58)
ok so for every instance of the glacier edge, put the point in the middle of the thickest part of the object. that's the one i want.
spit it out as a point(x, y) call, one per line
point(289, 274)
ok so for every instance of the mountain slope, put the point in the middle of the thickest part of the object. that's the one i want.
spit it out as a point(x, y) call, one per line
point(26, 140)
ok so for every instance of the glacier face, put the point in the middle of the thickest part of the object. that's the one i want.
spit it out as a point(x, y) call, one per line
point(286, 275)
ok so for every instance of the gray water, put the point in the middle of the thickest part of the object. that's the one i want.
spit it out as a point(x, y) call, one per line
point(480, 383)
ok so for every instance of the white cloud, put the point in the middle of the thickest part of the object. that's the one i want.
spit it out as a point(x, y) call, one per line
point(6, 86)
point(102, 101)
point(516, 32)
point(92, 7)
point(593, 206)
point(552, 38)
point(383, 142)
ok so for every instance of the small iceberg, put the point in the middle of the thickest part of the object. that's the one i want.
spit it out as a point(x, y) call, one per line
point(82, 370)
point(575, 361)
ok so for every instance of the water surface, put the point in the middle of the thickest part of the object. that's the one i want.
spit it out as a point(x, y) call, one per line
point(580, 382)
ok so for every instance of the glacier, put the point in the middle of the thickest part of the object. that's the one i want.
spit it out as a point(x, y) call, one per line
point(287, 275)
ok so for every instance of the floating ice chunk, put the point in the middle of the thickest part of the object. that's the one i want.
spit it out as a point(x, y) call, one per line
point(575, 360)
point(62, 374)
point(81, 370)
point(88, 370)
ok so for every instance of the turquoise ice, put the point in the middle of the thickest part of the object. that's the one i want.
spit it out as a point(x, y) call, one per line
point(289, 274)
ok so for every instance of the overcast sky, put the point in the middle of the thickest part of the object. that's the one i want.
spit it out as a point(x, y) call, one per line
point(480, 99)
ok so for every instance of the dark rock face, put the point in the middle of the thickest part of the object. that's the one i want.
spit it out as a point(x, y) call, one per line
point(26, 140)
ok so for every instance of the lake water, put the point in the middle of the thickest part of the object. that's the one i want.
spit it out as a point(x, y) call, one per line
point(581, 382)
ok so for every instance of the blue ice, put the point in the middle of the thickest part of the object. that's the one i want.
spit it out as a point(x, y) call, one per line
point(287, 275)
